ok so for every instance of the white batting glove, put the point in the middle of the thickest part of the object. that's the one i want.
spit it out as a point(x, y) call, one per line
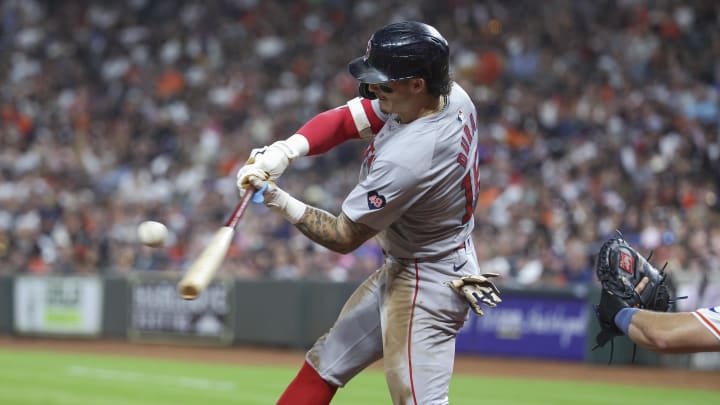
point(249, 171)
point(277, 199)
point(269, 162)
point(477, 290)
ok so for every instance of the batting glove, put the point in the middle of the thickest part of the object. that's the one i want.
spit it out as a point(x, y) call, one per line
point(269, 162)
point(277, 199)
point(477, 290)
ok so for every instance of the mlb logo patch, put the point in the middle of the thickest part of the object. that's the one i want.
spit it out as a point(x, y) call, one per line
point(626, 262)
point(375, 200)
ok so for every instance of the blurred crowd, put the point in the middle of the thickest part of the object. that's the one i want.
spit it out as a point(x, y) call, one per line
point(595, 117)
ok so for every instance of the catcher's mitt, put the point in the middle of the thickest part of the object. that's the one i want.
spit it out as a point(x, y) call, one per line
point(620, 268)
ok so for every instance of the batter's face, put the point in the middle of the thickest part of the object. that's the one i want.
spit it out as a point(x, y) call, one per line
point(401, 97)
point(392, 95)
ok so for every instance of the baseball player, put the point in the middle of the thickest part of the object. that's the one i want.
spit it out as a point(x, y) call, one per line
point(679, 332)
point(417, 193)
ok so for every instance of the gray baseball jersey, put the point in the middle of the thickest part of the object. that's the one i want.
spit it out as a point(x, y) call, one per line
point(418, 183)
point(418, 186)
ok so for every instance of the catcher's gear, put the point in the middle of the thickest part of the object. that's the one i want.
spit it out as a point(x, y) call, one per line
point(476, 290)
point(610, 305)
point(269, 162)
point(620, 268)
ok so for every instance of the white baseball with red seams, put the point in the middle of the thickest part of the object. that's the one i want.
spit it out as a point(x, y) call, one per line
point(152, 233)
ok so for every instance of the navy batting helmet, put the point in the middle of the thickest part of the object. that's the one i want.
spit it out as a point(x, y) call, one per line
point(405, 50)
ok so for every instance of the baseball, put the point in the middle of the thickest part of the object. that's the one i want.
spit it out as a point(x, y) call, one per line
point(152, 233)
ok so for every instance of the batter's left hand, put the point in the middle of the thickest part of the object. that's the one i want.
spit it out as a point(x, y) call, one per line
point(476, 290)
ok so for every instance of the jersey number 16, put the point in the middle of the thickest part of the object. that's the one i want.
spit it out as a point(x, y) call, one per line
point(471, 181)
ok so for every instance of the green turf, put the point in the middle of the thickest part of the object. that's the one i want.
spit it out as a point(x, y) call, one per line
point(45, 378)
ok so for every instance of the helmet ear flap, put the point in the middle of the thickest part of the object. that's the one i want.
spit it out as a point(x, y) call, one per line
point(364, 90)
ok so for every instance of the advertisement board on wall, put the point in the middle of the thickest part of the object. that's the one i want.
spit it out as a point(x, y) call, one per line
point(157, 311)
point(58, 305)
point(526, 326)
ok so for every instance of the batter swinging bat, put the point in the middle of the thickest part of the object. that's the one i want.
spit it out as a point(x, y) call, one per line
point(202, 270)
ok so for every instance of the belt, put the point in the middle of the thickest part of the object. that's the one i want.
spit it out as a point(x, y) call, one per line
point(427, 259)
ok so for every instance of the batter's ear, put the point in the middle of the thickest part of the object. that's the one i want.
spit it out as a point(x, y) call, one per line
point(417, 84)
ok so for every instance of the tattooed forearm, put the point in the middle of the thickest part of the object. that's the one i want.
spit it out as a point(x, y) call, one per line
point(339, 234)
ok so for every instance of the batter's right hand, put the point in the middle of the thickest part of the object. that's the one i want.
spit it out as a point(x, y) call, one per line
point(278, 199)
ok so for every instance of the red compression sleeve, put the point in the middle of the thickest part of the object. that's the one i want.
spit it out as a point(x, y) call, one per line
point(308, 388)
point(333, 127)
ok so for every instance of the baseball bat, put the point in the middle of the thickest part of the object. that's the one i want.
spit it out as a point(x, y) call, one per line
point(202, 270)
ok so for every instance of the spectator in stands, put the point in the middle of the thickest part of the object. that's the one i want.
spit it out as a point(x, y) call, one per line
point(113, 113)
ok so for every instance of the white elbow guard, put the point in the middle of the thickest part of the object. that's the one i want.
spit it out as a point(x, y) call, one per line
point(294, 147)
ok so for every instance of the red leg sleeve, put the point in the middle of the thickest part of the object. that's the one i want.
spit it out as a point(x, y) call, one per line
point(308, 388)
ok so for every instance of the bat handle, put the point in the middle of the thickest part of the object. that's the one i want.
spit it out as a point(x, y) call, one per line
point(240, 208)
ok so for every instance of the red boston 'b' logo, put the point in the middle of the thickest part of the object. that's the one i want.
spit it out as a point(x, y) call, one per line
point(626, 262)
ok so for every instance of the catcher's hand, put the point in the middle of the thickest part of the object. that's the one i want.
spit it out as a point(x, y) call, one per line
point(476, 290)
point(621, 270)
point(610, 305)
point(269, 162)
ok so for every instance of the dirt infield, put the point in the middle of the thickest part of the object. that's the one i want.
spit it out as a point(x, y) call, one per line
point(492, 367)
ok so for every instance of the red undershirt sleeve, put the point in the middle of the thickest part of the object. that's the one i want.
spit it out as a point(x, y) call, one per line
point(333, 127)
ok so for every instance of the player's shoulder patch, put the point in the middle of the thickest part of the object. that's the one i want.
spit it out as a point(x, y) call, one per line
point(375, 200)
